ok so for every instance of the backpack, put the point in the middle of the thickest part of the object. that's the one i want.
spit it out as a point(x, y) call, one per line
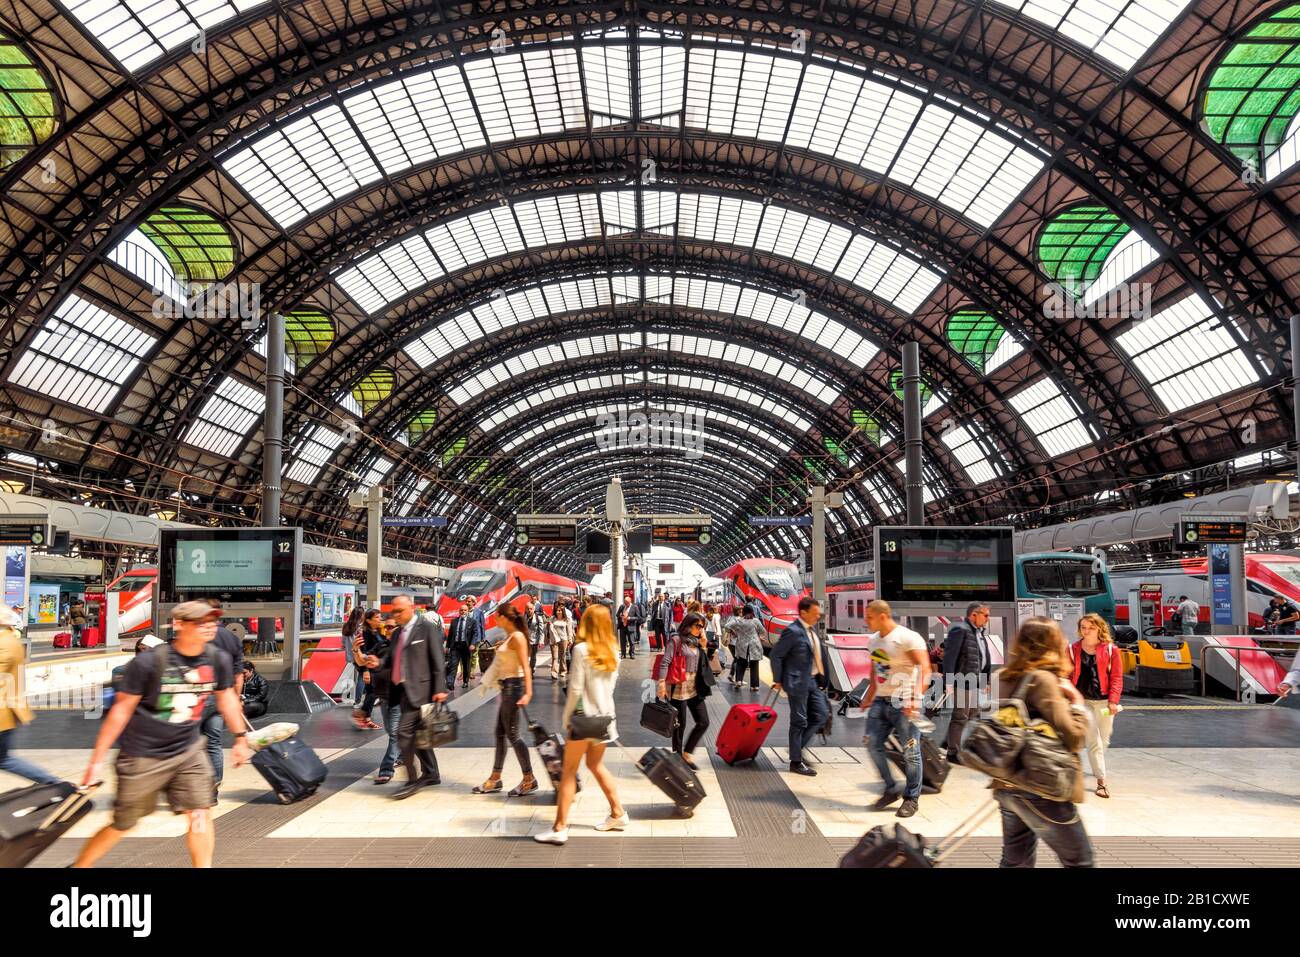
point(1024, 753)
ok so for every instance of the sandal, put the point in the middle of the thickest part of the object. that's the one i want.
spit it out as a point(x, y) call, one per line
point(1102, 792)
point(487, 787)
point(383, 778)
point(521, 792)
point(371, 726)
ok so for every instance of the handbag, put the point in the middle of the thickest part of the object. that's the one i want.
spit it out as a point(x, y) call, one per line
point(660, 717)
point(1022, 752)
point(583, 725)
point(439, 725)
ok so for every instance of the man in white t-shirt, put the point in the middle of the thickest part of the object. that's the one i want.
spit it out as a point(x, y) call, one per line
point(1189, 611)
point(900, 671)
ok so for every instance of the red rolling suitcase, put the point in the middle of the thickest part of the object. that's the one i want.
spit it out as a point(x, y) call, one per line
point(746, 728)
point(91, 638)
point(63, 639)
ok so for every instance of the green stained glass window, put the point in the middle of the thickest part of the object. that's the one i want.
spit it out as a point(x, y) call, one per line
point(422, 422)
point(373, 389)
point(816, 470)
point(833, 447)
point(1253, 94)
point(896, 386)
point(26, 103)
point(198, 246)
point(477, 469)
point(867, 425)
point(453, 450)
point(307, 334)
point(975, 334)
point(1073, 246)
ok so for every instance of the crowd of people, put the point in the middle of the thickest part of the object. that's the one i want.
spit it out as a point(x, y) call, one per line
point(173, 700)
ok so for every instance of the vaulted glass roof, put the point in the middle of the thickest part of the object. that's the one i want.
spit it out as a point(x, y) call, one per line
point(887, 128)
point(1119, 30)
point(226, 418)
point(137, 32)
point(1188, 354)
point(891, 274)
point(1051, 416)
point(970, 452)
point(535, 302)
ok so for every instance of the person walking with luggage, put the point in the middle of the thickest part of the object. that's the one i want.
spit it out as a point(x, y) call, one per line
point(516, 691)
point(661, 620)
point(900, 667)
point(629, 624)
point(966, 671)
point(591, 692)
point(390, 705)
point(561, 627)
point(1038, 668)
point(414, 673)
point(77, 620)
point(13, 702)
point(713, 634)
point(682, 676)
point(796, 663)
point(1098, 674)
point(746, 647)
point(157, 716)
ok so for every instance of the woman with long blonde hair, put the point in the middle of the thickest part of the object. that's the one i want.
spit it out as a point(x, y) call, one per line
point(1037, 672)
point(1099, 676)
point(592, 675)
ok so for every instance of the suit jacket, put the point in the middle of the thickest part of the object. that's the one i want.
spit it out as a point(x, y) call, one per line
point(423, 665)
point(961, 651)
point(661, 617)
point(792, 657)
point(633, 616)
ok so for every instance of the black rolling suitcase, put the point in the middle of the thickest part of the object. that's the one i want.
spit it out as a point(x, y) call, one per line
point(291, 768)
point(894, 846)
point(550, 748)
point(670, 774)
point(934, 763)
point(33, 818)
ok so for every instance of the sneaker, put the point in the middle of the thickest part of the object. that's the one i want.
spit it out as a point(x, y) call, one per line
point(886, 799)
point(612, 823)
point(908, 809)
point(552, 837)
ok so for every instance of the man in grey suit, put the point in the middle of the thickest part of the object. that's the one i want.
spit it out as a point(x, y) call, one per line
point(414, 669)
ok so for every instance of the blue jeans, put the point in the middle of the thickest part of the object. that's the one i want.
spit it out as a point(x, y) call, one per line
point(881, 720)
point(213, 727)
point(1028, 818)
point(390, 715)
point(808, 712)
point(15, 765)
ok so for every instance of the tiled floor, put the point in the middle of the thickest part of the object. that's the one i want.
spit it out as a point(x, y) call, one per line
point(1173, 806)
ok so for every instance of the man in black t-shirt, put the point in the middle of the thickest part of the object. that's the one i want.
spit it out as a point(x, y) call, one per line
point(155, 721)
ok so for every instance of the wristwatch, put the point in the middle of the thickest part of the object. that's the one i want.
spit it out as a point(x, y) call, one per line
point(241, 734)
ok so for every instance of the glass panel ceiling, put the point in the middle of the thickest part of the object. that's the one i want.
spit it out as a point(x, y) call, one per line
point(137, 32)
point(226, 418)
point(406, 501)
point(1050, 415)
point(1119, 30)
point(82, 355)
point(892, 275)
point(965, 449)
point(319, 446)
point(1188, 354)
point(941, 151)
point(535, 302)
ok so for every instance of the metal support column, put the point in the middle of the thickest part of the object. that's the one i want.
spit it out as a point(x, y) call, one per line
point(1237, 571)
point(272, 457)
point(615, 514)
point(913, 481)
point(819, 501)
point(374, 545)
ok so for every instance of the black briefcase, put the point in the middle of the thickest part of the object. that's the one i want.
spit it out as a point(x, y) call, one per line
point(660, 717)
point(439, 725)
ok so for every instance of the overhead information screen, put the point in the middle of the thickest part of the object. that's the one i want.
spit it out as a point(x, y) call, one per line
point(945, 564)
point(235, 565)
point(681, 534)
point(1212, 530)
point(557, 535)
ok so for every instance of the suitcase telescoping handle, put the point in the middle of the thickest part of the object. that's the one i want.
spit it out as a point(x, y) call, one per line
point(70, 805)
point(956, 838)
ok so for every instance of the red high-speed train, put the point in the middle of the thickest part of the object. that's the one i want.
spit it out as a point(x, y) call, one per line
point(493, 581)
point(772, 586)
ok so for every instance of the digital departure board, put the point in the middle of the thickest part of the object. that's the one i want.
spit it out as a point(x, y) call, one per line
point(681, 534)
point(237, 565)
point(933, 563)
point(559, 536)
point(1193, 531)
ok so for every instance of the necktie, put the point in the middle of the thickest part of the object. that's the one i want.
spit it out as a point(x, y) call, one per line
point(397, 655)
point(817, 652)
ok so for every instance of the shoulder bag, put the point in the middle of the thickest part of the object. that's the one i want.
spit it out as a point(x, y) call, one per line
point(1024, 753)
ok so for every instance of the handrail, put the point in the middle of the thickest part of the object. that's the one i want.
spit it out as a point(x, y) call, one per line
point(1237, 659)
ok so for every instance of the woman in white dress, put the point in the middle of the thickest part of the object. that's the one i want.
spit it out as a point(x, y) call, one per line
point(592, 676)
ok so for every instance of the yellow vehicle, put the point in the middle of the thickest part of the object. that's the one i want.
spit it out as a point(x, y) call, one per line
point(1155, 664)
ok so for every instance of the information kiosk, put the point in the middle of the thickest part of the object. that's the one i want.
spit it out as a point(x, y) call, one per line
point(255, 573)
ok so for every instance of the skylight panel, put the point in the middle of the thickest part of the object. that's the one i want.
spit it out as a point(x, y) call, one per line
point(1188, 354)
point(303, 166)
point(349, 402)
point(290, 366)
point(391, 274)
point(319, 446)
point(609, 81)
point(1130, 256)
point(966, 450)
point(82, 355)
point(1050, 415)
point(137, 32)
point(372, 474)
point(140, 256)
point(1008, 348)
point(417, 118)
point(661, 72)
point(1119, 32)
point(226, 417)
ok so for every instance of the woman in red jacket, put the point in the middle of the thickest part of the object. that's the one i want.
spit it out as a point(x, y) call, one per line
point(1099, 676)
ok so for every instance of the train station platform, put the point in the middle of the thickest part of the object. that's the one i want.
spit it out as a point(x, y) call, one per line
point(1195, 783)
